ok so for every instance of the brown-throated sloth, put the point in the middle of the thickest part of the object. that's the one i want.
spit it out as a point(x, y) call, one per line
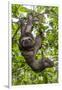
point(31, 45)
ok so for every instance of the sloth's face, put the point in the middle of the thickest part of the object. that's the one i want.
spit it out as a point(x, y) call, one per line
point(27, 42)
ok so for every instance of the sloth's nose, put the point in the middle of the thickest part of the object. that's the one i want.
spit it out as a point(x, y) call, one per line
point(26, 42)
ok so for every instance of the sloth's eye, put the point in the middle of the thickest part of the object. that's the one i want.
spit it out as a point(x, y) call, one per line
point(29, 39)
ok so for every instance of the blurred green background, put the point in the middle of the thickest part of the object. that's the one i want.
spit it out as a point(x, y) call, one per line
point(48, 23)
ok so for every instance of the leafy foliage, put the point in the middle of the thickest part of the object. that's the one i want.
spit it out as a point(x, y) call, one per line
point(48, 23)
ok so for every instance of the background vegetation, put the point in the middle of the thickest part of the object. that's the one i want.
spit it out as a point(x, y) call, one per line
point(21, 72)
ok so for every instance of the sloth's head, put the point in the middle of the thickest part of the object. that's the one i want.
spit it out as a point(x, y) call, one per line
point(27, 41)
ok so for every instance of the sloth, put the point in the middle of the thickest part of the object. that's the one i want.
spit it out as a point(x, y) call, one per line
point(30, 47)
